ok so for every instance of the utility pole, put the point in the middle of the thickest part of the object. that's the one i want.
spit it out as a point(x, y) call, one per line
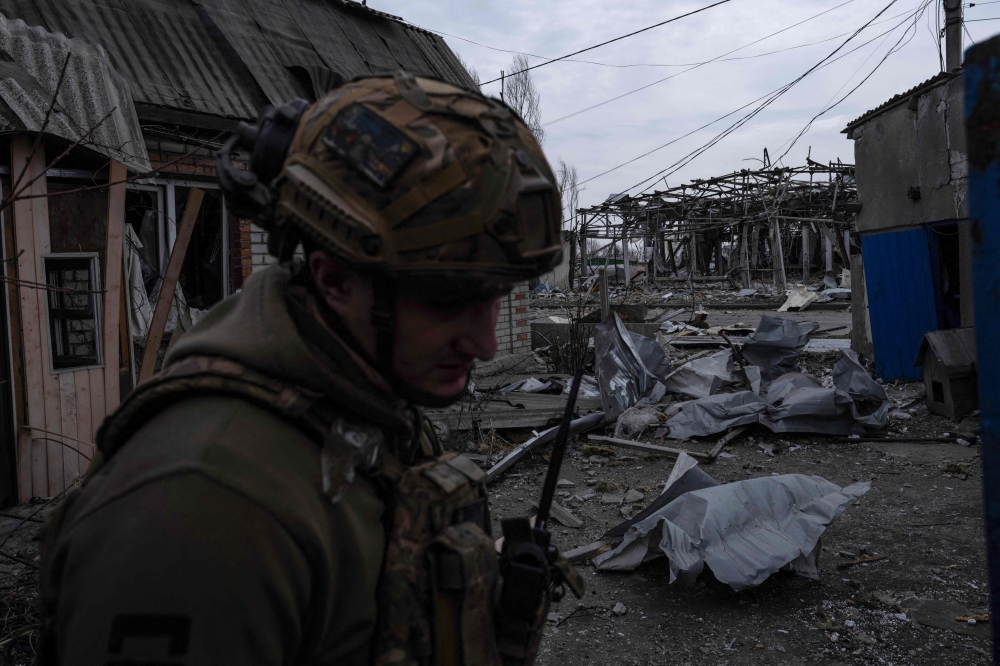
point(952, 34)
point(502, 82)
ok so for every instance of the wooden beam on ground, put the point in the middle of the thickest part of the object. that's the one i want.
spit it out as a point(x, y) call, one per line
point(717, 449)
point(184, 231)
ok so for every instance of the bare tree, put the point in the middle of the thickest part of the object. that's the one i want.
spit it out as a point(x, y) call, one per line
point(569, 190)
point(473, 74)
point(521, 95)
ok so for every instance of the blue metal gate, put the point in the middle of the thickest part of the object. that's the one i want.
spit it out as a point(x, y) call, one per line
point(901, 302)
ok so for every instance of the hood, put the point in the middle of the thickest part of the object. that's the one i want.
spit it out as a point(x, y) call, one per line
point(256, 329)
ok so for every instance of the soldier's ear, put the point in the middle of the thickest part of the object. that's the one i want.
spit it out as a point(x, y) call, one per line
point(345, 290)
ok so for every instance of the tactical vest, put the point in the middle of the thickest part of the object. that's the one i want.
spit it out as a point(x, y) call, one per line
point(440, 571)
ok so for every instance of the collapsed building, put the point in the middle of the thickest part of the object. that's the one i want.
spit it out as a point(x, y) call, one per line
point(764, 226)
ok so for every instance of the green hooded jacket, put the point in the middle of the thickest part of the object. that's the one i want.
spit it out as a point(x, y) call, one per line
point(207, 539)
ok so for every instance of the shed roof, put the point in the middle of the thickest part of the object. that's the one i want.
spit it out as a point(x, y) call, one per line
point(227, 58)
point(93, 105)
point(896, 100)
point(954, 348)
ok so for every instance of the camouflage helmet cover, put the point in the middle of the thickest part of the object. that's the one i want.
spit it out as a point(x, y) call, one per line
point(416, 176)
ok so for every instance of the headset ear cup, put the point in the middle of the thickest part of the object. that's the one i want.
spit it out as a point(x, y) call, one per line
point(282, 242)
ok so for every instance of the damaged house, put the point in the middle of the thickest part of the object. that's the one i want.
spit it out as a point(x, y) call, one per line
point(151, 90)
point(915, 272)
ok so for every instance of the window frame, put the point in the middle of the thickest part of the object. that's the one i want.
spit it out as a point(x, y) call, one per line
point(98, 310)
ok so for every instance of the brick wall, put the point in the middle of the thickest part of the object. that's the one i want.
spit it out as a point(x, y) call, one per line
point(513, 330)
point(258, 248)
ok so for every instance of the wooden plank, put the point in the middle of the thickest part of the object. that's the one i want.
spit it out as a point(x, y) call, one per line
point(50, 382)
point(16, 355)
point(582, 553)
point(33, 478)
point(85, 418)
point(68, 408)
point(97, 410)
point(184, 231)
point(645, 448)
point(717, 449)
point(113, 285)
point(561, 514)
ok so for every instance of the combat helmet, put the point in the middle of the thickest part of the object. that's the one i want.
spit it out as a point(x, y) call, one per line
point(408, 176)
point(411, 179)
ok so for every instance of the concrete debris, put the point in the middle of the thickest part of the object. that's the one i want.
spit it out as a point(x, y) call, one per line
point(743, 531)
point(799, 298)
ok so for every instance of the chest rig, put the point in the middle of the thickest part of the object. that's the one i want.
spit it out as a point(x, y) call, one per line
point(440, 570)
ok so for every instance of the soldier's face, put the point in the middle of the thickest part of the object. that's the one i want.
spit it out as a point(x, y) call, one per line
point(435, 346)
point(435, 349)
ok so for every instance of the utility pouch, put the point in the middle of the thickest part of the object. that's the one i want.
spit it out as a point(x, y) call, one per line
point(464, 571)
point(436, 594)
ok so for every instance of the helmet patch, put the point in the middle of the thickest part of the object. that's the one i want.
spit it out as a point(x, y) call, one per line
point(370, 143)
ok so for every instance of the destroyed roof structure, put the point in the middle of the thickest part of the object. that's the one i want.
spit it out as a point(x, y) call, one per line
point(727, 228)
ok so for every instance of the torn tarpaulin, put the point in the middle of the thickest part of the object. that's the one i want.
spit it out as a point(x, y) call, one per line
point(743, 531)
point(776, 344)
point(795, 402)
point(621, 368)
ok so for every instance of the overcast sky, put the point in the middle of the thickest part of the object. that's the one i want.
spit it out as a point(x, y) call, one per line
point(605, 137)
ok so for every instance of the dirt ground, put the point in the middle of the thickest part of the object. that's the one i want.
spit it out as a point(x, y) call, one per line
point(923, 513)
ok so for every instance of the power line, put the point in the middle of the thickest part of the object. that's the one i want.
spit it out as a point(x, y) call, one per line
point(610, 41)
point(684, 161)
point(895, 48)
point(777, 91)
point(649, 85)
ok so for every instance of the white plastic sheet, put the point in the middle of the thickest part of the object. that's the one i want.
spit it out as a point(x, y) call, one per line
point(743, 531)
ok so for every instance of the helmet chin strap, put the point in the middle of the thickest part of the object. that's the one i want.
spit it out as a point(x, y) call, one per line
point(384, 320)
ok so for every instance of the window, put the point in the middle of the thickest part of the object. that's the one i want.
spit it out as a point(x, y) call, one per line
point(74, 334)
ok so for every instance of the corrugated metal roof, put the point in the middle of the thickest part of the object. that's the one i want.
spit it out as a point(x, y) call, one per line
point(935, 80)
point(230, 57)
point(954, 348)
point(31, 60)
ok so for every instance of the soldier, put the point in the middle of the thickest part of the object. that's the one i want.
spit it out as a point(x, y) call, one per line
point(275, 495)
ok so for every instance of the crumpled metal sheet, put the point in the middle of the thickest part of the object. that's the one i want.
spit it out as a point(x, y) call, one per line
point(702, 377)
point(794, 402)
point(94, 103)
point(621, 374)
point(743, 531)
point(716, 413)
point(776, 344)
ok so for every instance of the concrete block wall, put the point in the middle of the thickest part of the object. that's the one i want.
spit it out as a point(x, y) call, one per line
point(513, 329)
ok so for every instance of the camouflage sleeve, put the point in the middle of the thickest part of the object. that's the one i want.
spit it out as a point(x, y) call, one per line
point(181, 571)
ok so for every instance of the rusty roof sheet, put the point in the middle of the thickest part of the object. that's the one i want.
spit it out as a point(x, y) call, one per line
point(955, 348)
point(896, 100)
point(230, 57)
point(93, 106)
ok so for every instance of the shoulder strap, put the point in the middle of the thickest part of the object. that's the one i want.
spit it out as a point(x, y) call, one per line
point(212, 375)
